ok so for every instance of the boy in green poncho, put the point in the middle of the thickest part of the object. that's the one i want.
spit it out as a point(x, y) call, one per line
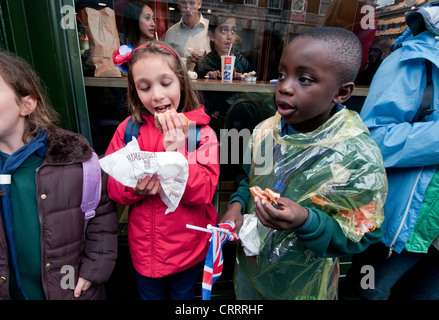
point(318, 155)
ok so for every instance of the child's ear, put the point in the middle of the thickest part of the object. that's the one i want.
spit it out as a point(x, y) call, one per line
point(344, 92)
point(27, 105)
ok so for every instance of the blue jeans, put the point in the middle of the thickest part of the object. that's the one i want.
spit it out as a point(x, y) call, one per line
point(404, 276)
point(178, 286)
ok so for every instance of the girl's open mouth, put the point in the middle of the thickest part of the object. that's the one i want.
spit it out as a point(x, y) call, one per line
point(162, 109)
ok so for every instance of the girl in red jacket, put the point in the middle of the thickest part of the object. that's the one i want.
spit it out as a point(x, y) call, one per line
point(165, 254)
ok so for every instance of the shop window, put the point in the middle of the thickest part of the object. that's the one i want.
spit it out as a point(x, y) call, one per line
point(324, 5)
point(276, 4)
point(251, 2)
point(263, 29)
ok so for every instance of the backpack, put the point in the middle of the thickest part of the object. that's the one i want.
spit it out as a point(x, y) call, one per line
point(418, 21)
point(425, 108)
point(91, 187)
point(132, 130)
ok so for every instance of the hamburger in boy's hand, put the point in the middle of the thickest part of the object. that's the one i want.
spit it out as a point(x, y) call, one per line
point(267, 194)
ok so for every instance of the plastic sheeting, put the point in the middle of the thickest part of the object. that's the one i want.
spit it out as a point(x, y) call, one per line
point(336, 169)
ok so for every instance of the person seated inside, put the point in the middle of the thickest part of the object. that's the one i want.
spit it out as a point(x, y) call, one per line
point(222, 33)
point(138, 23)
point(380, 49)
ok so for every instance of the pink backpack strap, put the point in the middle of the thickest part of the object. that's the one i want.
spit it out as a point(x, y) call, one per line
point(91, 187)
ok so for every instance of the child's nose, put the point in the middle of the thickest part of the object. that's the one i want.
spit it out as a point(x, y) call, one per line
point(286, 87)
point(157, 93)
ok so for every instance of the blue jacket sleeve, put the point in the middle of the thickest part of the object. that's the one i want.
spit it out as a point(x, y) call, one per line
point(389, 110)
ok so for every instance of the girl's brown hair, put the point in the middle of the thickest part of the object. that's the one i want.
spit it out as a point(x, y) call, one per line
point(189, 100)
point(22, 79)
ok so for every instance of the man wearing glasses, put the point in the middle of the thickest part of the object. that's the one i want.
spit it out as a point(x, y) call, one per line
point(380, 49)
point(189, 36)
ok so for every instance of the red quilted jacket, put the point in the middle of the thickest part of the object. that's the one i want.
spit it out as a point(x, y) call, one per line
point(161, 244)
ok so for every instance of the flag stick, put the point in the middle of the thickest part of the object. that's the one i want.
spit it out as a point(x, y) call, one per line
point(218, 229)
point(198, 228)
point(208, 229)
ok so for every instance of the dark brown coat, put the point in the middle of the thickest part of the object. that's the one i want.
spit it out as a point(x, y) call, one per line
point(59, 194)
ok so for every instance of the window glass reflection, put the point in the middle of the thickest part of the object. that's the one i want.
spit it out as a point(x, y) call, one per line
point(256, 32)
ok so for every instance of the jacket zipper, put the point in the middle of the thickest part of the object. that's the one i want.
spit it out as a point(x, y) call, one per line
point(152, 221)
point(43, 275)
point(392, 245)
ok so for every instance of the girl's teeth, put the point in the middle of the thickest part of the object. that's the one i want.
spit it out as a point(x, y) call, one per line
point(162, 108)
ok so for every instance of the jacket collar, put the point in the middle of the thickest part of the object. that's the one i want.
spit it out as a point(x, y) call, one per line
point(423, 46)
point(66, 146)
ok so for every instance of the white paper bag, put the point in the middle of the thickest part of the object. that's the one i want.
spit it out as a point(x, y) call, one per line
point(248, 234)
point(130, 165)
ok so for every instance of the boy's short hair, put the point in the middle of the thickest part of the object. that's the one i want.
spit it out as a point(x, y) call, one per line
point(343, 48)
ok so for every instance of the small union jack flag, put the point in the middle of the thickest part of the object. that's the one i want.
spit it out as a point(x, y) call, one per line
point(213, 266)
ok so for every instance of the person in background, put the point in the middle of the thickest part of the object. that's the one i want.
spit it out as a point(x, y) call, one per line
point(265, 56)
point(380, 49)
point(329, 174)
point(189, 36)
point(138, 23)
point(222, 34)
point(405, 263)
point(42, 223)
point(165, 254)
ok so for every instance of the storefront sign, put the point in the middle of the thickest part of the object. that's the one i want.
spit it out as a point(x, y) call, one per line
point(298, 11)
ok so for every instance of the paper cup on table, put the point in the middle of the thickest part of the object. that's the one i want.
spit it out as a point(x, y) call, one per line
point(227, 66)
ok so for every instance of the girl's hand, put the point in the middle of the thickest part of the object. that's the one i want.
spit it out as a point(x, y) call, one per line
point(214, 74)
point(236, 75)
point(290, 215)
point(81, 286)
point(175, 129)
point(148, 186)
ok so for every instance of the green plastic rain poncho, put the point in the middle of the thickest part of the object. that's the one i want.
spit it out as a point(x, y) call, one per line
point(336, 169)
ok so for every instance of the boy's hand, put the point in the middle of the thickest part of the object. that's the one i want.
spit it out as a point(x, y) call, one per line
point(195, 56)
point(290, 215)
point(233, 214)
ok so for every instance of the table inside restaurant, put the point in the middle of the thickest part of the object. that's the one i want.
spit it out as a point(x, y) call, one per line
point(210, 85)
point(106, 98)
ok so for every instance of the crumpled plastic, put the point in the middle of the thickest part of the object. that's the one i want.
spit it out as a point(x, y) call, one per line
point(130, 165)
point(248, 234)
point(336, 169)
